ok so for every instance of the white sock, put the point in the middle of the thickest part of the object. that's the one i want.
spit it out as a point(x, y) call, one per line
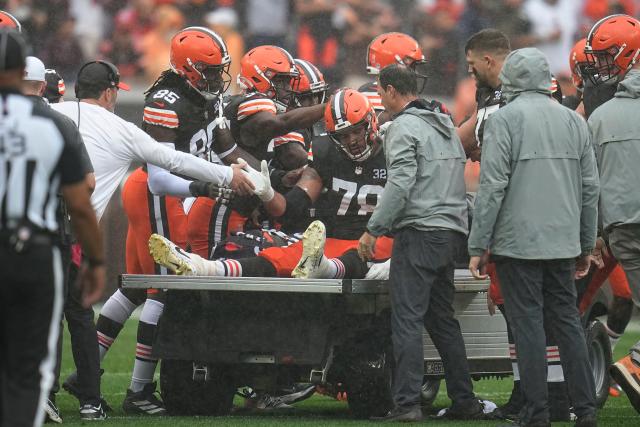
point(118, 307)
point(145, 365)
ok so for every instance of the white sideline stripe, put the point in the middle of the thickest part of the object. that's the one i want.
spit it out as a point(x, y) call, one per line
point(48, 363)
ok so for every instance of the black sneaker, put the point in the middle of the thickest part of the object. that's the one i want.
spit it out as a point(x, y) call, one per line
point(91, 412)
point(587, 421)
point(298, 394)
point(474, 411)
point(265, 402)
point(511, 409)
point(398, 414)
point(70, 385)
point(52, 413)
point(143, 402)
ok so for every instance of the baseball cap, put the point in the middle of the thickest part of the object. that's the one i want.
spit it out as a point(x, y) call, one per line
point(34, 69)
point(12, 50)
point(101, 74)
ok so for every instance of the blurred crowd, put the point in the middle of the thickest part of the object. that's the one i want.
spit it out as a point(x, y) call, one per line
point(333, 34)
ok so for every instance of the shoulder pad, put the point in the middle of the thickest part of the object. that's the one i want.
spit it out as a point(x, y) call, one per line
point(164, 107)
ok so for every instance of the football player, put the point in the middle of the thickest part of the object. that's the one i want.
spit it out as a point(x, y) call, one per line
point(348, 170)
point(256, 117)
point(181, 110)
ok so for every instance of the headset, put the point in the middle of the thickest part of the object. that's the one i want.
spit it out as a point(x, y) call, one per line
point(112, 74)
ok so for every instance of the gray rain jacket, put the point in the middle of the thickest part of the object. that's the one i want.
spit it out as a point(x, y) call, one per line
point(615, 132)
point(538, 190)
point(425, 186)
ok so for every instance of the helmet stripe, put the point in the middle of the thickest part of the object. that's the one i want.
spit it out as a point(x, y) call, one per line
point(291, 61)
point(308, 70)
point(337, 107)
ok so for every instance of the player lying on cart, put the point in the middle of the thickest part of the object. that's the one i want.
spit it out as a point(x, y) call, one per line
point(342, 186)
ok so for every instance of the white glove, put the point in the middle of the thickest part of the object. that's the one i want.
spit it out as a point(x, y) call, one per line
point(379, 271)
point(382, 129)
point(260, 180)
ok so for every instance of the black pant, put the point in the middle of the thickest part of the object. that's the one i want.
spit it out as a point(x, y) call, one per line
point(30, 310)
point(422, 291)
point(84, 341)
point(537, 293)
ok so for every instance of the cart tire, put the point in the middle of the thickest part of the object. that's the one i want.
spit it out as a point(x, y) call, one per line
point(184, 396)
point(600, 357)
point(368, 385)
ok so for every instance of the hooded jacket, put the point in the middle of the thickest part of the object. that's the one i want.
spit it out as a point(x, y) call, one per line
point(425, 187)
point(615, 132)
point(538, 191)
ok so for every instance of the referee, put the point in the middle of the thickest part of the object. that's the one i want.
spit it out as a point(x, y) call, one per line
point(37, 159)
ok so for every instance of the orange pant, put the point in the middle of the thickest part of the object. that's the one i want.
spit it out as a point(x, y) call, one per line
point(285, 258)
point(208, 223)
point(149, 214)
point(619, 283)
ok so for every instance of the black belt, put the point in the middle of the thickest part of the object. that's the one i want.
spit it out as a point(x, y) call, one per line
point(40, 238)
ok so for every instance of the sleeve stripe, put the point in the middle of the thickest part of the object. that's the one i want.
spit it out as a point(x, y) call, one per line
point(290, 137)
point(254, 102)
point(161, 121)
point(160, 113)
point(254, 110)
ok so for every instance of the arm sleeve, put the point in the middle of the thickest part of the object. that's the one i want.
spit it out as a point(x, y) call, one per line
point(146, 149)
point(494, 178)
point(590, 193)
point(402, 165)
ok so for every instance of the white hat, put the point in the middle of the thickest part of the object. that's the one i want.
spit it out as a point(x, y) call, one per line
point(34, 69)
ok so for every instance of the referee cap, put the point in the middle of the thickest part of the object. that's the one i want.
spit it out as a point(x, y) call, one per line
point(100, 74)
point(34, 70)
point(12, 50)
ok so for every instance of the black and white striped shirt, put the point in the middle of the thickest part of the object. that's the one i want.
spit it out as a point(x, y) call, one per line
point(38, 155)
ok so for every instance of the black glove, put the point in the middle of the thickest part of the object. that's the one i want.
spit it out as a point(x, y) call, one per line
point(213, 191)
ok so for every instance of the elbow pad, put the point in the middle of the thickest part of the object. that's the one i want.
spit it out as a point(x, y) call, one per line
point(298, 204)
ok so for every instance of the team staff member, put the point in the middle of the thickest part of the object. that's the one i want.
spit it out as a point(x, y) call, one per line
point(527, 166)
point(113, 143)
point(79, 319)
point(31, 273)
point(613, 47)
point(423, 152)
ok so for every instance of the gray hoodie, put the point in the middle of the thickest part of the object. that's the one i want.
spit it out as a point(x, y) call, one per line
point(425, 186)
point(538, 190)
point(615, 132)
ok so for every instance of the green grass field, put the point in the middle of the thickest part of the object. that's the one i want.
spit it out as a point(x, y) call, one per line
point(317, 411)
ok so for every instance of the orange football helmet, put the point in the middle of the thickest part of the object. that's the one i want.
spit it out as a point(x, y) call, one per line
point(269, 70)
point(612, 47)
point(310, 88)
point(394, 48)
point(202, 58)
point(8, 20)
point(351, 123)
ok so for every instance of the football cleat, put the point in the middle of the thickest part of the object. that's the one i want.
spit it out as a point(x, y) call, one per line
point(169, 255)
point(90, 412)
point(298, 394)
point(266, 402)
point(626, 372)
point(143, 402)
point(313, 240)
point(52, 413)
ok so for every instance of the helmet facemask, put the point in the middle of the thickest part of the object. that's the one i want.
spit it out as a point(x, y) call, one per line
point(282, 89)
point(314, 95)
point(420, 68)
point(214, 79)
point(355, 140)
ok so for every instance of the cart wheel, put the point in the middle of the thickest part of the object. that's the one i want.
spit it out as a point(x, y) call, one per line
point(600, 356)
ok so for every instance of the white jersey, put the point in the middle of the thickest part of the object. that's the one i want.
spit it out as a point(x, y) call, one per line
point(113, 144)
